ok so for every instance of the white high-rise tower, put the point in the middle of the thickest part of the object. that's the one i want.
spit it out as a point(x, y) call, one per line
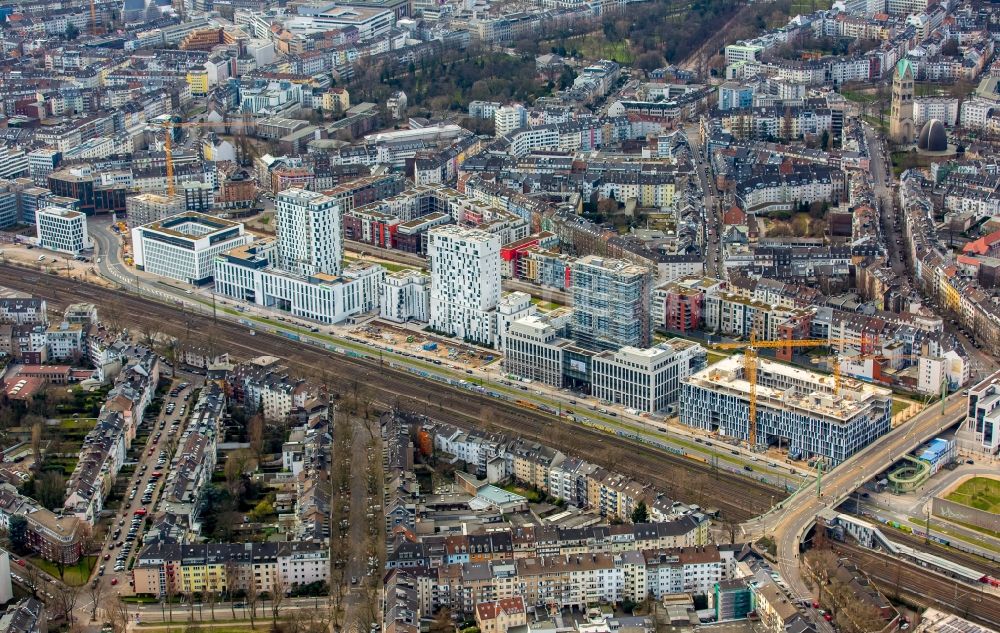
point(309, 234)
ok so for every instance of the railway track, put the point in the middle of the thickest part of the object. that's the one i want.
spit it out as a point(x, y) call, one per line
point(678, 477)
point(955, 555)
point(912, 583)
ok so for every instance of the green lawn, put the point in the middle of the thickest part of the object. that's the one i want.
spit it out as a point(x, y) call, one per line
point(75, 576)
point(714, 357)
point(544, 306)
point(387, 265)
point(874, 121)
point(597, 47)
point(77, 424)
point(858, 96)
point(899, 404)
point(981, 493)
point(527, 493)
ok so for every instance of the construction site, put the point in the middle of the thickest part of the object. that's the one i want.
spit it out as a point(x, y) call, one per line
point(806, 414)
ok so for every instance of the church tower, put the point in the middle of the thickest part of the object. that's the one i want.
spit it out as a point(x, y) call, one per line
point(901, 126)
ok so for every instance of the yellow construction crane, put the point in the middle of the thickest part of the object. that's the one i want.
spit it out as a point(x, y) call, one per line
point(750, 349)
point(169, 125)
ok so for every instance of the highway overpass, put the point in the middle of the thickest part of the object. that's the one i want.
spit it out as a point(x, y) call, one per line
point(789, 522)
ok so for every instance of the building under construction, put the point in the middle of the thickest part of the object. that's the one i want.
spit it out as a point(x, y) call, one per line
point(611, 301)
point(798, 410)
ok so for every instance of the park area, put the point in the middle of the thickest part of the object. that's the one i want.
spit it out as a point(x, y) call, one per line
point(981, 493)
point(73, 575)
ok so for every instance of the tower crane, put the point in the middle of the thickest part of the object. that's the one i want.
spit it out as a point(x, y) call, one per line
point(170, 124)
point(750, 352)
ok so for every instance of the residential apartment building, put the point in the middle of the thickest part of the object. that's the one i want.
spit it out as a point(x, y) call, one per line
point(611, 303)
point(165, 569)
point(308, 225)
point(465, 282)
point(405, 295)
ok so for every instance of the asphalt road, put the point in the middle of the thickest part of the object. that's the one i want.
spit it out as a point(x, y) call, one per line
point(713, 216)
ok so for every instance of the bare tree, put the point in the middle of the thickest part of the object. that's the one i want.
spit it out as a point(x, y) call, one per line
point(255, 433)
point(278, 591)
point(32, 578)
point(253, 598)
point(170, 600)
point(731, 526)
point(211, 598)
point(113, 315)
point(36, 441)
point(116, 613)
point(232, 580)
point(66, 599)
point(150, 335)
point(95, 590)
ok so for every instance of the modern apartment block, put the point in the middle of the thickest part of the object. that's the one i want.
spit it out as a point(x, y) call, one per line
point(799, 409)
point(62, 230)
point(184, 246)
point(8, 205)
point(405, 295)
point(646, 380)
point(309, 232)
point(611, 303)
point(465, 282)
point(535, 348)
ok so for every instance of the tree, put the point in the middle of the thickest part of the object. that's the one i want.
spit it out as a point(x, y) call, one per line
point(732, 526)
point(32, 578)
point(252, 598)
point(278, 591)
point(71, 31)
point(211, 598)
point(36, 440)
point(17, 531)
point(95, 590)
point(650, 61)
point(255, 433)
point(640, 514)
point(262, 510)
point(116, 613)
point(236, 466)
point(66, 599)
point(52, 489)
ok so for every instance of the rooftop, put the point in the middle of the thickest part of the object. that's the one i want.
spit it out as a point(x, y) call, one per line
point(781, 386)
